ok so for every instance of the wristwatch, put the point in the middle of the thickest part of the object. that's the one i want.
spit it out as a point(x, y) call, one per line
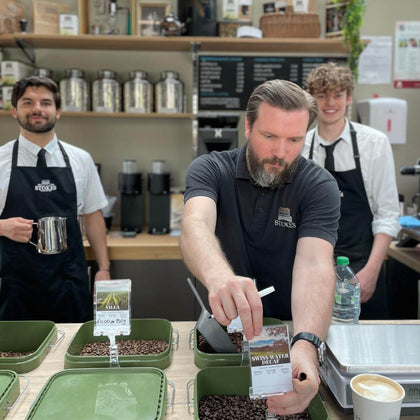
point(316, 341)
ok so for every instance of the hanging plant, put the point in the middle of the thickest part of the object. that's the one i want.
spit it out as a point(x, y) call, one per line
point(351, 24)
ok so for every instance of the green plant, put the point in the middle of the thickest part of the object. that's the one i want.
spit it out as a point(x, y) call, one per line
point(351, 24)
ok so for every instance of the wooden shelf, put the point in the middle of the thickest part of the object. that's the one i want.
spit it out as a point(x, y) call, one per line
point(114, 115)
point(182, 43)
point(143, 247)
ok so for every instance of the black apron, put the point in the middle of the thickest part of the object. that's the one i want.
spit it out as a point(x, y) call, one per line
point(33, 285)
point(355, 237)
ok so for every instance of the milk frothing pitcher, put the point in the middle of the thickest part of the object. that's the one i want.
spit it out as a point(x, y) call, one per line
point(52, 235)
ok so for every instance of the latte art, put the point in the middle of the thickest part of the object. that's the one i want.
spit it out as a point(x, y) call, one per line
point(378, 390)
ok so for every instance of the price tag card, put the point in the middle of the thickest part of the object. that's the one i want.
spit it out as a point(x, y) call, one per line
point(112, 307)
point(271, 370)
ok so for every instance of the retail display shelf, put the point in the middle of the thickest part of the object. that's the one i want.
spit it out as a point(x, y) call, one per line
point(181, 43)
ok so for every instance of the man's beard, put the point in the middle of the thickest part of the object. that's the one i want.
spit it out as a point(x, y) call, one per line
point(46, 126)
point(271, 179)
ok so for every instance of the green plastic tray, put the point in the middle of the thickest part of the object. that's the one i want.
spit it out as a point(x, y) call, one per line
point(9, 391)
point(102, 394)
point(141, 329)
point(235, 380)
point(23, 336)
point(202, 359)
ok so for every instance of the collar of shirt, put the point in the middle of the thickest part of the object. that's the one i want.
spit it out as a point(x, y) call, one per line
point(345, 135)
point(33, 148)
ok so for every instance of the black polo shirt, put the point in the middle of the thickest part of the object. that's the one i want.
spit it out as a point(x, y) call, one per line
point(258, 228)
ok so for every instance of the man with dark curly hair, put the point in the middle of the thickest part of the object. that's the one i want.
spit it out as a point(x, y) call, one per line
point(360, 159)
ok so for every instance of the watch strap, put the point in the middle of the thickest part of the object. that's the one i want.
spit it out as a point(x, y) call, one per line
point(312, 338)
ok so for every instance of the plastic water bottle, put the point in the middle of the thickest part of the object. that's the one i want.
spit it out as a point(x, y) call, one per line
point(347, 294)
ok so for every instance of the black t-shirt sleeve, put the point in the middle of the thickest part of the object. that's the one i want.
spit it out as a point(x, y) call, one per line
point(202, 178)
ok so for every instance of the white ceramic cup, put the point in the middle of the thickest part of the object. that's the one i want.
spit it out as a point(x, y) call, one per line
point(376, 397)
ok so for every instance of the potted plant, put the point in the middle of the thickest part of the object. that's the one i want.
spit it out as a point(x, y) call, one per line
point(351, 24)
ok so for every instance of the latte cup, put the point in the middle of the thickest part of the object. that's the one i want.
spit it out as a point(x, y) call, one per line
point(376, 397)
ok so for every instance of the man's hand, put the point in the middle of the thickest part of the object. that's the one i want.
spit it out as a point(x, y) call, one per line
point(368, 279)
point(233, 296)
point(304, 359)
point(17, 229)
point(102, 275)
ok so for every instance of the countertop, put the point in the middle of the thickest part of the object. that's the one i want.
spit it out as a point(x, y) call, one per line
point(180, 371)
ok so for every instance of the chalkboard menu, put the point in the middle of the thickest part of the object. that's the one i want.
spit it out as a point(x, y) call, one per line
point(226, 82)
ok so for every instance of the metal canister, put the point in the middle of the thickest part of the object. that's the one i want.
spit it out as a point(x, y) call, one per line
point(106, 92)
point(169, 93)
point(138, 95)
point(74, 90)
point(43, 72)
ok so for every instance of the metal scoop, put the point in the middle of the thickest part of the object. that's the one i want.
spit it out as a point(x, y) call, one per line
point(210, 329)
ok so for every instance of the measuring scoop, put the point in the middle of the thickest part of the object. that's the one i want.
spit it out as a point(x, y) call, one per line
point(210, 329)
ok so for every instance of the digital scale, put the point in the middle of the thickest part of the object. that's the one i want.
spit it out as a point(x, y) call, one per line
point(391, 350)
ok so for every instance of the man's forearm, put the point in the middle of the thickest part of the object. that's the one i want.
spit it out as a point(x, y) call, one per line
point(202, 252)
point(313, 292)
point(378, 252)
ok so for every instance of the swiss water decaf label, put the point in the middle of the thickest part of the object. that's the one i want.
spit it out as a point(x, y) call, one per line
point(269, 354)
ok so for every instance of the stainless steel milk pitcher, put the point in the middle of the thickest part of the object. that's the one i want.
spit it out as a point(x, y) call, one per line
point(52, 235)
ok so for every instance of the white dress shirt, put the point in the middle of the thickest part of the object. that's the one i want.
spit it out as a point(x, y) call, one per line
point(90, 193)
point(377, 166)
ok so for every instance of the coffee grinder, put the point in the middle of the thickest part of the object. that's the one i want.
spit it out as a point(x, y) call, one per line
point(130, 186)
point(159, 198)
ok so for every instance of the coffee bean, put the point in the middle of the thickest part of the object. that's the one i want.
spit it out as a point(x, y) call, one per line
point(125, 347)
point(14, 353)
point(204, 346)
point(238, 407)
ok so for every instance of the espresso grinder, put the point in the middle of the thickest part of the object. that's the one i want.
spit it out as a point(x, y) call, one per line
point(159, 198)
point(130, 186)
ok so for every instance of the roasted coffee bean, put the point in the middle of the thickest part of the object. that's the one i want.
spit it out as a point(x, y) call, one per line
point(237, 407)
point(14, 353)
point(125, 347)
point(204, 346)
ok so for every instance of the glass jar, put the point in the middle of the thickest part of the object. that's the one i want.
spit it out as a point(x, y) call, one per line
point(169, 93)
point(74, 91)
point(138, 95)
point(106, 92)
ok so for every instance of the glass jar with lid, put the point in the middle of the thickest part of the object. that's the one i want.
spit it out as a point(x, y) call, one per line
point(106, 92)
point(74, 91)
point(138, 94)
point(169, 93)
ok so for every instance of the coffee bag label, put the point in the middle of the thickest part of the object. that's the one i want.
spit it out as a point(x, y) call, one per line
point(271, 370)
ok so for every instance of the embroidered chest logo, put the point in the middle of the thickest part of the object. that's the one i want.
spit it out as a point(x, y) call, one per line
point(45, 186)
point(284, 219)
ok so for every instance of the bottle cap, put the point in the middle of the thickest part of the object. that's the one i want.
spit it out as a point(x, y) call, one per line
point(342, 261)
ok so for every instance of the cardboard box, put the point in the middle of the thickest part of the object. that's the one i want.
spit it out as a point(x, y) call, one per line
point(11, 12)
point(45, 16)
point(12, 71)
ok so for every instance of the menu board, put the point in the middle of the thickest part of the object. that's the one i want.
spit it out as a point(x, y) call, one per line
point(226, 82)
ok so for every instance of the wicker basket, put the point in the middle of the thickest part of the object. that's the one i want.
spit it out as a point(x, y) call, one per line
point(290, 25)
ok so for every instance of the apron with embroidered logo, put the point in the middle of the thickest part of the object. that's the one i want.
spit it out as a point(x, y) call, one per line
point(38, 286)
